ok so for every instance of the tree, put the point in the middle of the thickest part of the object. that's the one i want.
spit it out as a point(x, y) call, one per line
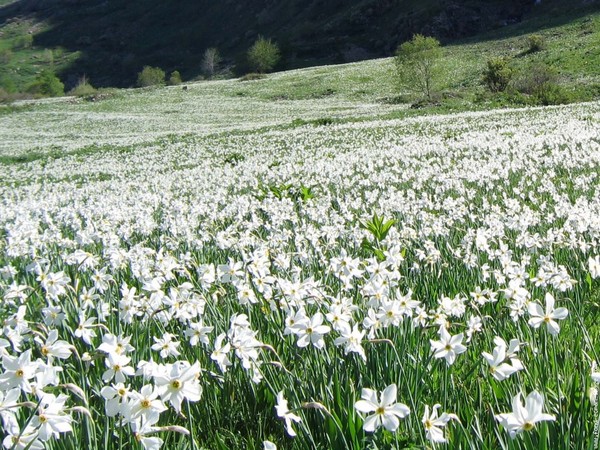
point(263, 55)
point(48, 85)
point(497, 74)
point(210, 61)
point(151, 76)
point(175, 78)
point(417, 64)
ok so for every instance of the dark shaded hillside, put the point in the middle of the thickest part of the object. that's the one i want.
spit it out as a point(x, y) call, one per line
point(115, 39)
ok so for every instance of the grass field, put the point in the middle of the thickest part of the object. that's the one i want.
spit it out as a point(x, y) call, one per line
point(241, 262)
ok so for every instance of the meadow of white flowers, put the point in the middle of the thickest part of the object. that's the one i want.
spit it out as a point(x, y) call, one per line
point(431, 282)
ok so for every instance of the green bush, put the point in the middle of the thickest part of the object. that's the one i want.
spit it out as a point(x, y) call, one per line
point(552, 93)
point(536, 43)
point(6, 56)
point(264, 55)
point(83, 88)
point(497, 74)
point(534, 77)
point(24, 41)
point(47, 84)
point(175, 78)
point(540, 83)
point(151, 76)
point(7, 84)
point(417, 65)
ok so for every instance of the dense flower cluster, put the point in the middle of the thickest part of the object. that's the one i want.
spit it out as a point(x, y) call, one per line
point(149, 286)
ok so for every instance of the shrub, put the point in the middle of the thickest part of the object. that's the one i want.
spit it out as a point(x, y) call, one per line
point(497, 74)
point(264, 55)
point(541, 83)
point(47, 84)
point(22, 42)
point(535, 43)
point(535, 77)
point(551, 93)
point(175, 78)
point(83, 88)
point(5, 56)
point(151, 76)
point(7, 84)
point(210, 62)
point(417, 64)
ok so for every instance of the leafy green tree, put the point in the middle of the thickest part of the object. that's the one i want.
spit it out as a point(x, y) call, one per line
point(151, 76)
point(48, 85)
point(175, 78)
point(264, 55)
point(497, 74)
point(417, 64)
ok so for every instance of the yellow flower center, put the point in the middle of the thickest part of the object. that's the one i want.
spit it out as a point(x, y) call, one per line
point(528, 426)
point(175, 384)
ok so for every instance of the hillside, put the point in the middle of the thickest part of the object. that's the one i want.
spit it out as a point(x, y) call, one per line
point(197, 232)
point(111, 41)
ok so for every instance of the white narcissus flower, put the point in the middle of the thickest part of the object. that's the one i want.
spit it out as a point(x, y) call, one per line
point(524, 417)
point(53, 348)
point(142, 427)
point(85, 330)
point(385, 411)
point(118, 367)
point(595, 374)
point(311, 331)
point(116, 344)
point(594, 266)
point(116, 397)
point(26, 439)
point(179, 382)
point(434, 424)
point(351, 338)
point(166, 345)
point(549, 317)
point(8, 408)
point(268, 445)
point(284, 413)
point(145, 403)
point(198, 333)
point(18, 370)
point(499, 369)
point(448, 346)
point(51, 419)
point(220, 353)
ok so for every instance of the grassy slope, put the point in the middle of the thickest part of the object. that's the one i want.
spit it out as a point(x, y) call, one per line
point(355, 91)
point(111, 41)
point(572, 48)
point(347, 92)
